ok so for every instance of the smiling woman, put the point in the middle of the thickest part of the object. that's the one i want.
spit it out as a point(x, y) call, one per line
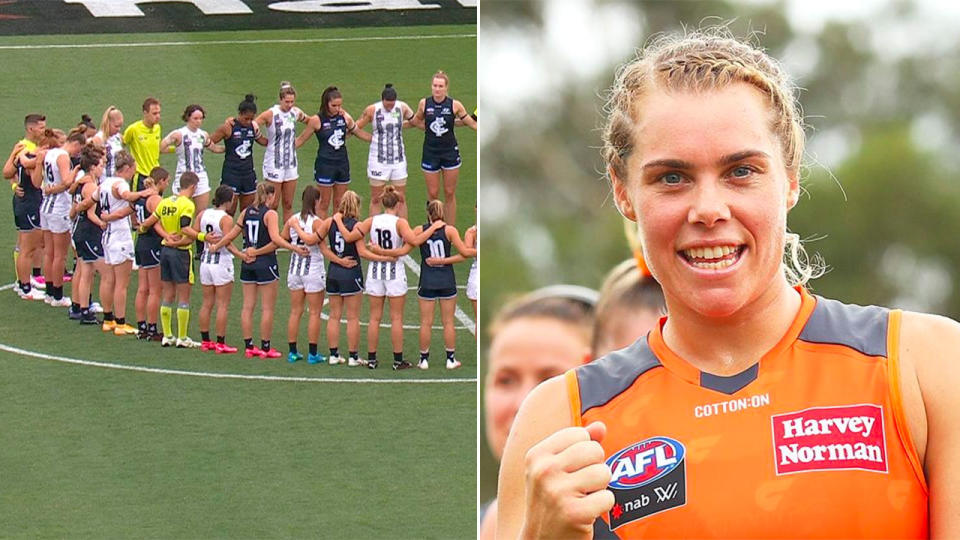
point(703, 144)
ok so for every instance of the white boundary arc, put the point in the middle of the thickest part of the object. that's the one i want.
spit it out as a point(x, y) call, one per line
point(229, 42)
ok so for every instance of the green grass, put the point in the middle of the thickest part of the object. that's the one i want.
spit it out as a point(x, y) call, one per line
point(94, 452)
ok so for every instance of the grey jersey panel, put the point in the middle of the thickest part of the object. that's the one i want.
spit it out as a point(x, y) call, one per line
point(863, 329)
point(604, 379)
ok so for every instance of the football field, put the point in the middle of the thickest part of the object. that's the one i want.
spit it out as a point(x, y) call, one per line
point(105, 436)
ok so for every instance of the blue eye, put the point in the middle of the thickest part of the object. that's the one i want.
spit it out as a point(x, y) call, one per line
point(671, 179)
point(741, 172)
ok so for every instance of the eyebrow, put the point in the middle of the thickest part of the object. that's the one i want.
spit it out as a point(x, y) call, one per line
point(725, 160)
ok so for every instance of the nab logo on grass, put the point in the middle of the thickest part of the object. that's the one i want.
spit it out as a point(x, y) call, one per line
point(129, 8)
point(647, 477)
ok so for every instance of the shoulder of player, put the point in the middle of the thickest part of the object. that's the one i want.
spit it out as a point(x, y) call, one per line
point(538, 415)
point(927, 338)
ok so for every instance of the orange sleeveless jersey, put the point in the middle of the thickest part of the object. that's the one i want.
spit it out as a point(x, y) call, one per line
point(810, 442)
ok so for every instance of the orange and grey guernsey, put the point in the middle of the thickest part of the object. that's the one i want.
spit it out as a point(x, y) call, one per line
point(810, 442)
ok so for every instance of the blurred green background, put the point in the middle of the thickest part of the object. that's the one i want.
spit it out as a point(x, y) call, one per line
point(880, 91)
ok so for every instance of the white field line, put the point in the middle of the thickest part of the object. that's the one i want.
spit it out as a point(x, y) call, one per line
point(459, 314)
point(229, 42)
point(64, 359)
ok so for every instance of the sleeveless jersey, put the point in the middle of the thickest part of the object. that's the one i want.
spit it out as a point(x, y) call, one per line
point(57, 203)
point(118, 228)
point(281, 134)
point(31, 195)
point(142, 213)
point(439, 120)
point(82, 226)
point(190, 151)
point(386, 146)
point(255, 232)
point(111, 145)
point(383, 231)
point(238, 156)
point(331, 136)
point(436, 277)
point(343, 249)
point(210, 224)
point(809, 442)
point(300, 265)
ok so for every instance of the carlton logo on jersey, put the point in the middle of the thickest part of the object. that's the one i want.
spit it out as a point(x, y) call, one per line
point(244, 150)
point(648, 477)
point(830, 438)
point(438, 126)
point(336, 139)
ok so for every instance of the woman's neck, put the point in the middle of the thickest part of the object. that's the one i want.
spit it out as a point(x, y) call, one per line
point(729, 345)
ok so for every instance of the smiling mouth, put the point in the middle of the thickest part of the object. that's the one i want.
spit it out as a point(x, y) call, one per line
point(712, 258)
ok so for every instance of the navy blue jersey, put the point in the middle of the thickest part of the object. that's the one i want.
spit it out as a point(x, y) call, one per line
point(332, 138)
point(439, 119)
point(83, 227)
point(344, 249)
point(30, 192)
point(255, 232)
point(436, 277)
point(238, 156)
point(140, 209)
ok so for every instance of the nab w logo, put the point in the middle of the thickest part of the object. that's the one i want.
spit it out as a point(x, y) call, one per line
point(666, 493)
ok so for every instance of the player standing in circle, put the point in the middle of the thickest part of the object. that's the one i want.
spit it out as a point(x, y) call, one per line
point(438, 283)
point(390, 236)
point(147, 257)
point(172, 220)
point(110, 138)
point(472, 240)
point(238, 135)
point(387, 161)
point(142, 139)
point(259, 272)
point(436, 115)
point(703, 143)
point(305, 276)
point(216, 270)
point(58, 176)
point(280, 157)
point(332, 125)
point(27, 198)
point(345, 279)
point(88, 229)
point(190, 142)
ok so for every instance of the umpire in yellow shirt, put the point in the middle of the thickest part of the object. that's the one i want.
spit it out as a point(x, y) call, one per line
point(142, 139)
point(172, 220)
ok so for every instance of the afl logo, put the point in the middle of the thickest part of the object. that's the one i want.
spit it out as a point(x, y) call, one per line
point(644, 462)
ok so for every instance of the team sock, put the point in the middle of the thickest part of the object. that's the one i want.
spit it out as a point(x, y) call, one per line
point(204, 336)
point(57, 292)
point(334, 351)
point(25, 287)
point(372, 356)
point(108, 315)
point(152, 328)
point(450, 354)
point(183, 319)
point(398, 357)
point(248, 343)
point(293, 346)
point(265, 344)
point(36, 272)
point(313, 348)
point(221, 340)
point(121, 321)
point(142, 326)
point(166, 316)
point(354, 354)
point(424, 356)
point(74, 307)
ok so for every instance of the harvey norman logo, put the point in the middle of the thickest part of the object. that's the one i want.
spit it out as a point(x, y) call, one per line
point(830, 438)
point(128, 8)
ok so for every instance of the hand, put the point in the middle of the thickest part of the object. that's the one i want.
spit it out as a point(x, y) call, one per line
point(250, 253)
point(302, 250)
point(212, 238)
point(247, 258)
point(435, 261)
point(230, 122)
point(566, 480)
point(18, 192)
point(102, 225)
point(103, 215)
point(17, 148)
point(337, 216)
point(175, 238)
point(392, 259)
point(348, 262)
point(438, 224)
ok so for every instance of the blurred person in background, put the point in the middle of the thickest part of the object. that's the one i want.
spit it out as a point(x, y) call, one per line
point(533, 338)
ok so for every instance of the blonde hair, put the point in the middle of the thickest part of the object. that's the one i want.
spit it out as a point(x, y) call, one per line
point(350, 205)
point(105, 121)
point(264, 189)
point(625, 288)
point(702, 60)
point(435, 210)
point(442, 75)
